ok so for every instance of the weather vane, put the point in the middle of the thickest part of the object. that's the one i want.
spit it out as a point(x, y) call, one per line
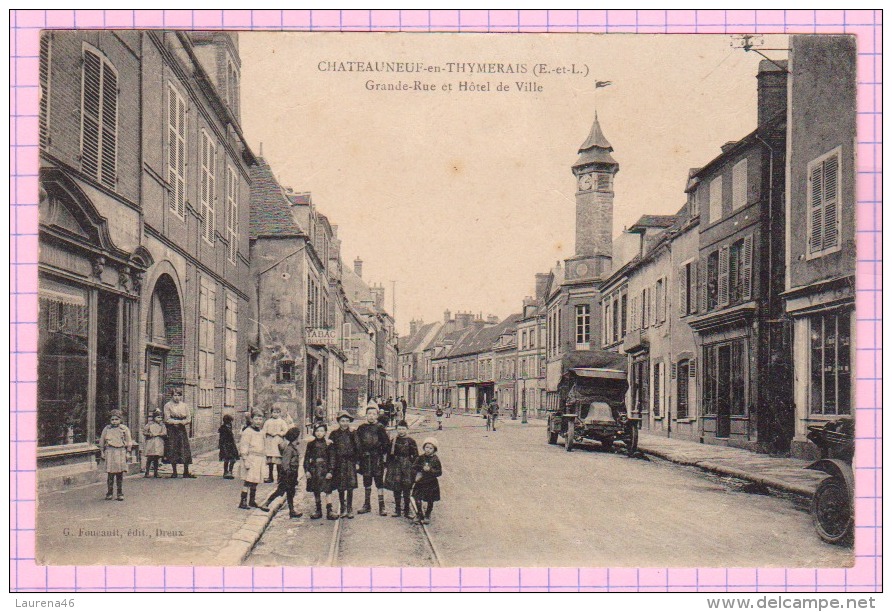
point(754, 42)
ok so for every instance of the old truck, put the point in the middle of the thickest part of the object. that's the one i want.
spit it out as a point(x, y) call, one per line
point(591, 402)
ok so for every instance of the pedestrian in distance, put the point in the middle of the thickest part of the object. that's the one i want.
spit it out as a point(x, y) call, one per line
point(319, 412)
point(274, 429)
point(177, 449)
point(345, 451)
point(448, 409)
point(252, 450)
point(228, 448)
point(318, 466)
point(389, 408)
point(400, 477)
point(439, 413)
point(373, 446)
point(154, 433)
point(383, 416)
point(405, 407)
point(427, 469)
point(114, 446)
point(290, 472)
point(493, 413)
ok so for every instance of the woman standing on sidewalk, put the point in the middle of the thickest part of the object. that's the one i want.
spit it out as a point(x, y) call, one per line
point(177, 450)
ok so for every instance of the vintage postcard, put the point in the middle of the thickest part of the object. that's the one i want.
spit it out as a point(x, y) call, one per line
point(352, 299)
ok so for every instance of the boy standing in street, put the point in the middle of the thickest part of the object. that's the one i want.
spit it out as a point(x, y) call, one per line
point(345, 456)
point(373, 446)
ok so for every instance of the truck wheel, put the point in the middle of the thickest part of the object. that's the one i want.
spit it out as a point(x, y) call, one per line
point(571, 431)
point(831, 511)
point(631, 440)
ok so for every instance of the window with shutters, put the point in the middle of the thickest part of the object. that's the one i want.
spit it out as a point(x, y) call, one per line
point(46, 56)
point(824, 204)
point(658, 389)
point(232, 225)
point(99, 117)
point(715, 199)
point(583, 329)
point(738, 185)
point(724, 277)
point(207, 313)
point(660, 302)
point(711, 286)
point(623, 315)
point(208, 187)
point(830, 382)
point(176, 150)
point(682, 383)
point(687, 288)
point(230, 346)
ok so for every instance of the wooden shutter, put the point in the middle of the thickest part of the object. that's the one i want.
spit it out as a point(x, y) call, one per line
point(109, 125)
point(746, 269)
point(46, 50)
point(723, 276)
point(208, 187)
point(692, 373)
point(91, 102)
point(693, 286)
point(683, 290)
point(176, 150)
point(816, 214)
point(831, 206)
point(704, 286)
point(674, 371)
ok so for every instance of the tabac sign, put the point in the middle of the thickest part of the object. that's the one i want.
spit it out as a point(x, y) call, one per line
point(317, 336)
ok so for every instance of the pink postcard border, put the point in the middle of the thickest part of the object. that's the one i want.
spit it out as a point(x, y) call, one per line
point(25, 575)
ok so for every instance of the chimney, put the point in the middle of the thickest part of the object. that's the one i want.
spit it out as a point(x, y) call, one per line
point(447, 316)
point(378, 292)
point(357, 267)
point(541, 284)
point(492, 319)
point(772, 98)
point(463, 319)
point(414, 326)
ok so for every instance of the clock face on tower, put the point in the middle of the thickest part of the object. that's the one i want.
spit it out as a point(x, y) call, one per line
point(585, 182)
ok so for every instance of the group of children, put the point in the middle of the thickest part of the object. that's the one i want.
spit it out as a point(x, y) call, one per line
point(333, 461)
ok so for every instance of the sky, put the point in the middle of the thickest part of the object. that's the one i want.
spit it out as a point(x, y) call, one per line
point(460, 197)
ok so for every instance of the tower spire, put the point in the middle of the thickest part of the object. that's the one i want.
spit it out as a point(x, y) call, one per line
point(596, 138)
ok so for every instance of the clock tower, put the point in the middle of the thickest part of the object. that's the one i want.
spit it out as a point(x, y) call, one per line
point(594, 172)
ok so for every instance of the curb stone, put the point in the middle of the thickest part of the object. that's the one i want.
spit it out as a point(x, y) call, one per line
point(245, 539)
point(715, 468)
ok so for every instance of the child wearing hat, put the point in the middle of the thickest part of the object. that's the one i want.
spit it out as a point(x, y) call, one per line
point(228, 448)
point(400, 476)
point(427, 469)
point(154, 433)
point(290, 472)
point(252, 450)
point(373, 446)
point(318, 465)
point(114, 445)
point(345, 455)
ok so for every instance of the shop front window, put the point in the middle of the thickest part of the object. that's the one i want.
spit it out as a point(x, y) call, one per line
point(830, 357)
point(63, 364)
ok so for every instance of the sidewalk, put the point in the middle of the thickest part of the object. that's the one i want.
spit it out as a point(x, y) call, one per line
point(162, 521)
point(780, 473)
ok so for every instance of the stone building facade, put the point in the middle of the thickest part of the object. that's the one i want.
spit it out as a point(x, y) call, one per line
point(820, 261)
point(144, 178)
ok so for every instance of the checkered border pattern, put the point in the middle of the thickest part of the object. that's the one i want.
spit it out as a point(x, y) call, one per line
point(25, 575)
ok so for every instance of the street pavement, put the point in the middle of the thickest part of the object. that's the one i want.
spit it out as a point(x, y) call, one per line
point(510, 499)
point(162, 521)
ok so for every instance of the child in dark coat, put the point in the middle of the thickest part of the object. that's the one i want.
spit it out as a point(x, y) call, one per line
point(318, 463)
point(228, 447)
point(345, 455)
point(427, 468)
point(290, 472)
point(400, 477)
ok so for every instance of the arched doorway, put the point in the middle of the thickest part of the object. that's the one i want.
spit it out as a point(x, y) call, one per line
point(164, 345)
